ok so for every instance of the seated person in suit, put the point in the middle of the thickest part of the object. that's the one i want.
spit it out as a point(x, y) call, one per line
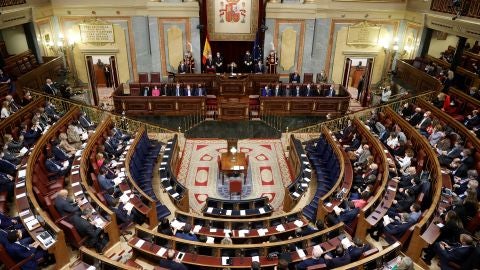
point(50, 88)
point(105, 183)
point(182, 68)
point(30, 136)
point(200, 91)
point(13, 146)
point(295, 77)
point(398, 225)
point(51, 111)
point(338, 258)
point(266, 92)
point(96, 238)
point(74, 138)
point(9, 223)
point(14, 107)
point(297, 92)
point(186, 233)
point(288, 92)
point(85, 122)
point(314, 260)
point(277, 91)
point(64, 205)
point(59, 168)
point(178, 91)
point(189, 91)
point(357, 249)
point(309, 91)
point(113, 148)
point(259, 67)
point(6, 185)
point(10, 156)
point(119, 135)
point(171, 262)
point(330, 92)
point(146, 91)
point(18, 251)
point(456, 253)
point(7, 167)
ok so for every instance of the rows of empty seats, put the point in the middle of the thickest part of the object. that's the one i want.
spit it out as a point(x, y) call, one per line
point(142, 163)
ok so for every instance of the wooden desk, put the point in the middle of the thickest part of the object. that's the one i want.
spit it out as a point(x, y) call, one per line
point(233, 108)
point(232, 85)
point(416, 78)
point(230, 163)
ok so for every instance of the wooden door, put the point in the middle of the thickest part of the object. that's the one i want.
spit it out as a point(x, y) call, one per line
point(366, 83)
point(92, 79)
point(114, 71)
point(346, 72)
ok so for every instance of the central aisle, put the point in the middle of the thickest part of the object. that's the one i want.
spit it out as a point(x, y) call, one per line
point(268, 171)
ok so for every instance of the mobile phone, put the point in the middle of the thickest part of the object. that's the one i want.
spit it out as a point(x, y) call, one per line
point(180, 255)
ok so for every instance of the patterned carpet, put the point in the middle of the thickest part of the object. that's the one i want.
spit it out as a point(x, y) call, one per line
point(267, 175)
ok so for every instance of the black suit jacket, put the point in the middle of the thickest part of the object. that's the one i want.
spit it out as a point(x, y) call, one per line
point(65, 207)
point(169, 264)
point(86, 229)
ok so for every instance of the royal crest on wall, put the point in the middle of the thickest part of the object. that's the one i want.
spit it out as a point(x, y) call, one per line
point(232, 19)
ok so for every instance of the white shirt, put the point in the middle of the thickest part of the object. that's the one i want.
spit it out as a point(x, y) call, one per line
point(4, 113)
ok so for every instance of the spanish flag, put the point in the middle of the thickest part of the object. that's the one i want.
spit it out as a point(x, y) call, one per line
point(206, 50)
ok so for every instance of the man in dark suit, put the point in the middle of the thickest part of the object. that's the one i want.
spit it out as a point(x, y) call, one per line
point(416, 117)
point(186, 233)
point(446, 157)
point(188, 91)
point(6, 184)
point(30, 136)
point(182, 68)
point(85, 121)
point(295, 77)
point(309, 91)
point(200, 91)
point(316, 259)
point(297, 92)
point(55, 167)
point(7, 167)
point(277, 91)
point(146, 91)
point(218, 60)
point(266, 92)
point(330, 92)
point(259, 67)
point(424, 123)
point(454, 253)
point(50, 88)
point(105, 183)
point(178, 91)
point(460, 166)
point(64, 205)
point(339, 258)
point(9, 223)
point(357, 249)
point(107, 70)
point(170, 262)
point(360, 87)
point(19, 251)
point(210, 64)
point(112, 148)
point(95, 236)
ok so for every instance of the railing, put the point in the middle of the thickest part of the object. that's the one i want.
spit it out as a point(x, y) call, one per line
point(8, 3)
point(468, 8)
point(341, 122)
point(274, 121)
point(122, 122)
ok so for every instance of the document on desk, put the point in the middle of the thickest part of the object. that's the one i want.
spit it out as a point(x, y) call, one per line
point(128, 206)
point(23, 151)
point(213, 229)
point(256, 259)
point(261, 210)
point(98, 222)
point(117, 181)
point(303, 155)
point(91, 267)
point(78, 153)
point(392, 188)
point(229, 212)
point(32, 224)
point(301, 254)
point(19, 185)
point(124, 198)
point(225, 260)
point(262, 232)
point(227, 232)
point(306, 179)
point(210, 240)
point(21, 195)
point(75, 172)
point(197, 228)
point(242, 233)
point(177, 224)
point(243, 212)
point(139, 243)
point(22, 173)
point(280, 228)
point(78, 193)
point(298, 223)
point(209, 210)
point(161, 251)
point(295, 194)
point(236, 168)
point(307, 170)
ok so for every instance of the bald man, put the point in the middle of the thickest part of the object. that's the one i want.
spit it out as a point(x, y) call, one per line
point(64, 205)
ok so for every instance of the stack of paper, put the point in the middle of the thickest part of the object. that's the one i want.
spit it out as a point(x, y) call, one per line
point(161, 251)
point(256, 259)
point(124, 198)
point(210, 240)
point(298, 223)
point(261, 210)
point(32, 224)
point(177, 224)
point(242, 233)
point(209, 210)
point(128, 206)
point(301, 254)
point(197, 228)
point(262, 232)
point(242, 213)
point(280, 228)
point(140, 243)
point(229, 212)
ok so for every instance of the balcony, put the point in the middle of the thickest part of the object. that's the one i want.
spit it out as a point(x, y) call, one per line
point(466, 8)
point(9, 3)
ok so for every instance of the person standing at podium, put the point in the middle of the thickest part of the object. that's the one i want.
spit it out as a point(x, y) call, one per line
point(218, 63)
point(248, 62)
point(259, 68)
point(272, 61)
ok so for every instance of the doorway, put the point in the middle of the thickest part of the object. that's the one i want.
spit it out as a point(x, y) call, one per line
point(356, 78)
point(103, 78)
